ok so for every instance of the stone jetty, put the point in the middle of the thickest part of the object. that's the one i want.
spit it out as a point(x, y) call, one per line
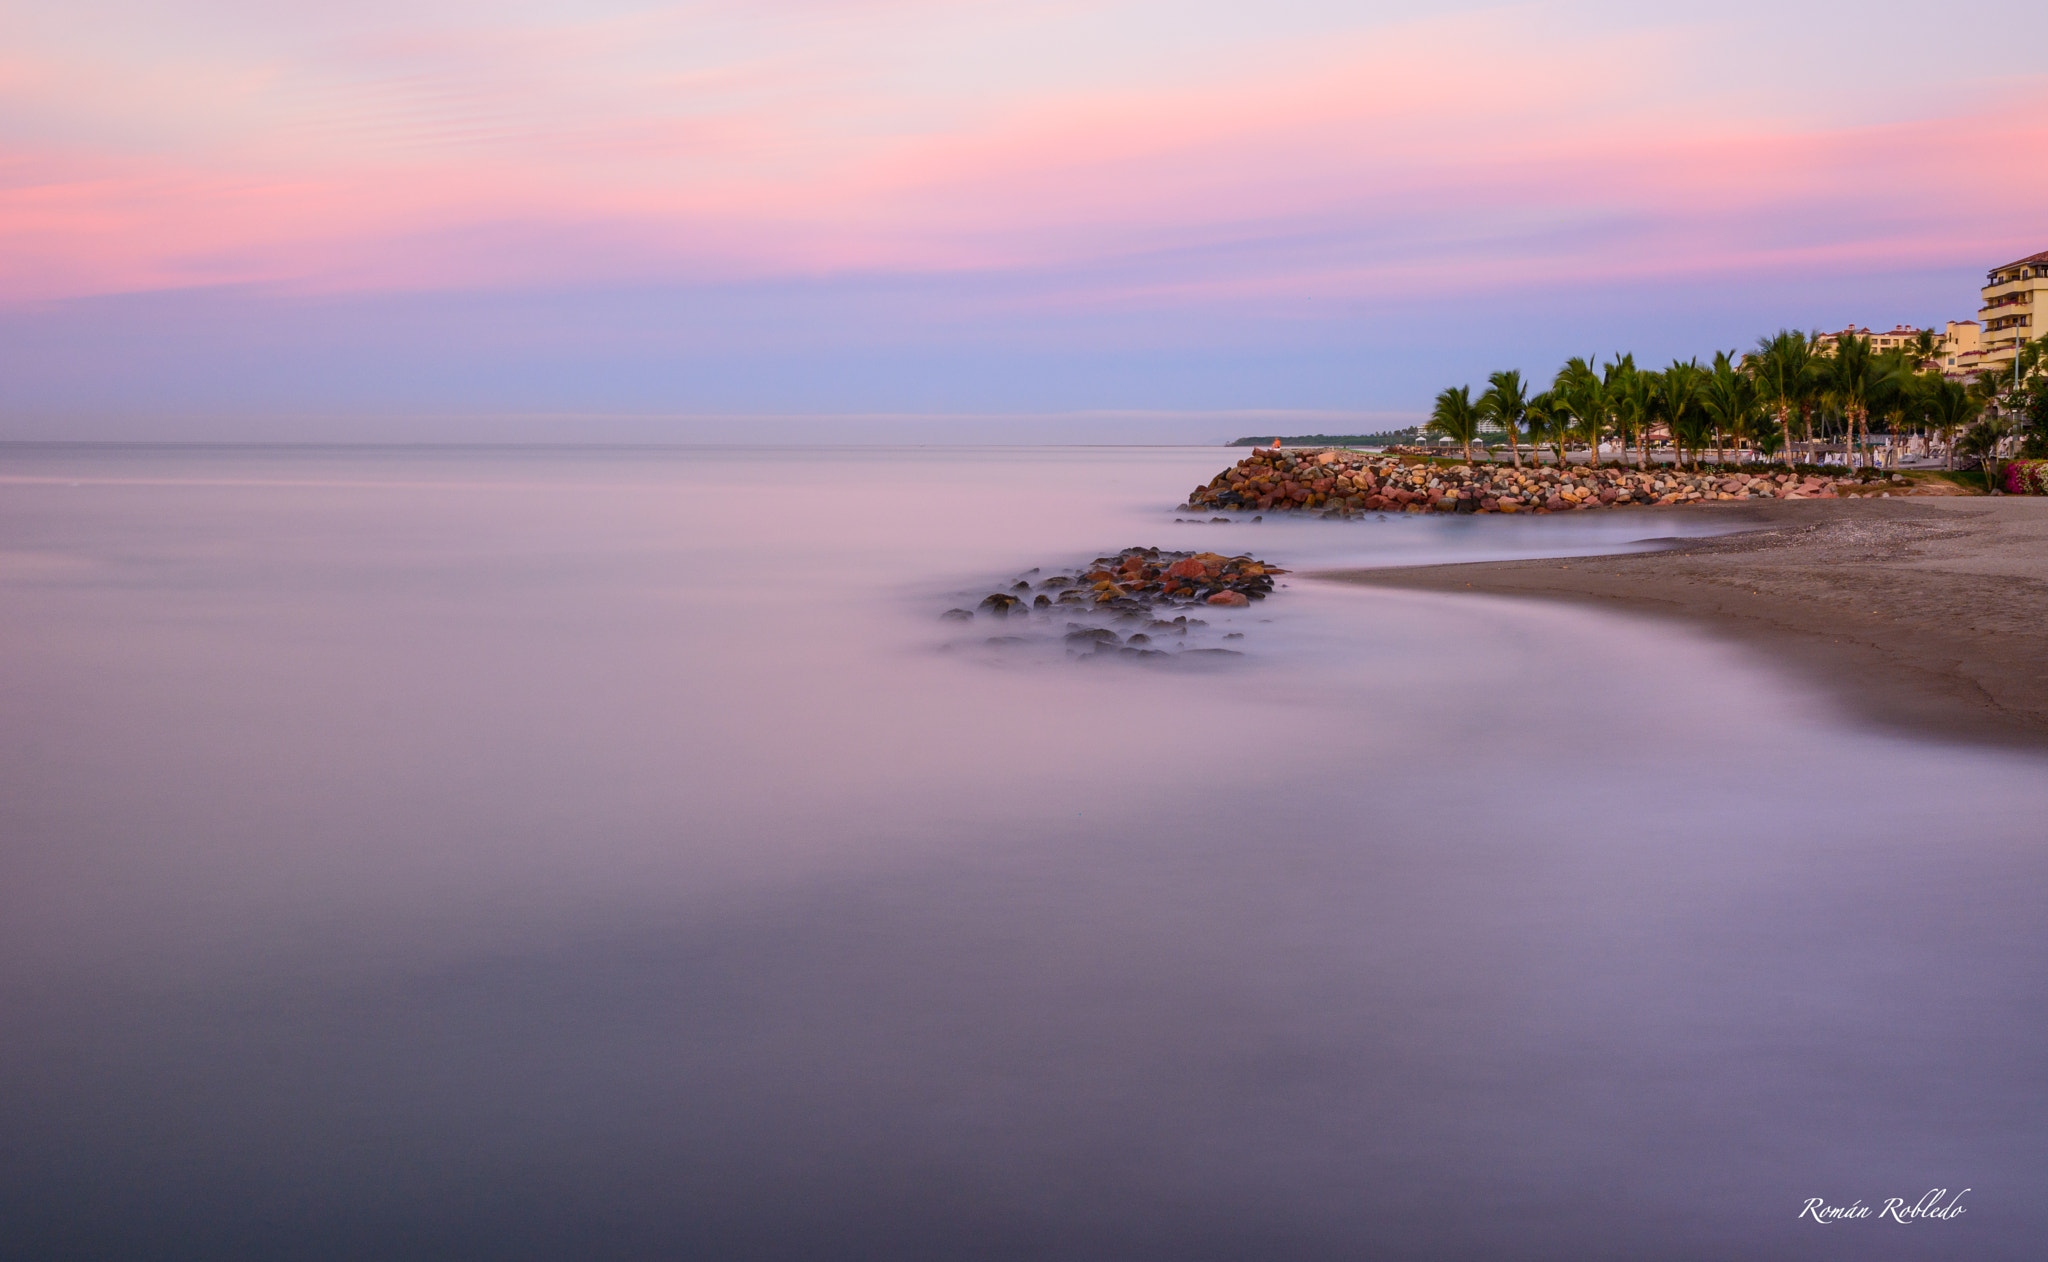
point(1337, 482)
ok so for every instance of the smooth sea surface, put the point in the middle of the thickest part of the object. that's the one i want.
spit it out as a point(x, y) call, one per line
point(555, 853)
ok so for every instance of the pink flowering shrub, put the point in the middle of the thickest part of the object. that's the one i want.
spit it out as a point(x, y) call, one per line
point(2026, 477)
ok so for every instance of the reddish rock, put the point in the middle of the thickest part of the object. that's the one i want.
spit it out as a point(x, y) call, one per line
point(1230, 598)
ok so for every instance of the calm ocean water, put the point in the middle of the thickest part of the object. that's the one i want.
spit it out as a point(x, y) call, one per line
point(610, 854)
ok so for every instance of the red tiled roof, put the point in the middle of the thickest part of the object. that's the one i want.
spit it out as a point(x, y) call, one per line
point(2042, 257)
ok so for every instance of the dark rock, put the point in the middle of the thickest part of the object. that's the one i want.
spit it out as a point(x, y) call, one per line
point(958, 615)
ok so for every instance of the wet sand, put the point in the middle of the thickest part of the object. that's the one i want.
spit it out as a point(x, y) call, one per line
point(1926, 613)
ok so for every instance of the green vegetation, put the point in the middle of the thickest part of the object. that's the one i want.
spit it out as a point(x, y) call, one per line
point(1790, 388)
point(1968, 481)
point(1455, 418)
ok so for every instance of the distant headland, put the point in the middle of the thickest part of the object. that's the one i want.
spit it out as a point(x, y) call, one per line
point(1389, 438)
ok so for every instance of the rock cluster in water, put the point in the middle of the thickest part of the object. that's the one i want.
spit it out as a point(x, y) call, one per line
point(1118, 604)
point(1346, 482)
point(1137, 579)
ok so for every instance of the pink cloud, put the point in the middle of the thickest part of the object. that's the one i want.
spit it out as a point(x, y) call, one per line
point(1443, 153)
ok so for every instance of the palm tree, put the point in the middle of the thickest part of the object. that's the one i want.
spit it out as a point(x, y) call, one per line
point(2027, 361)
point(1997, 389)
point(1614, 378)
point(1782, 367)
point(1894, 388)
point(1637, 407)
point(1455, 418)
point(1950, 408)
point(1550, 420)
point(1585, 395)
point(1506, 404)
point(1682, 386)
point(1981, 440)
point(1730, 399)
point(1850, 377)
point(1985, 387)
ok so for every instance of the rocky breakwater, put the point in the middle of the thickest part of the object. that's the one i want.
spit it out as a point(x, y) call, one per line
point(1119, 604)
point(1346, 483)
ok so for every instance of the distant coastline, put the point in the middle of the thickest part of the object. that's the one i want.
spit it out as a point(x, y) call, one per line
point(1386, 438)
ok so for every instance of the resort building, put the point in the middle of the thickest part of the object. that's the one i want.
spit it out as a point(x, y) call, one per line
point(1960, 353)
point(2012, 297)
point(1902, 335)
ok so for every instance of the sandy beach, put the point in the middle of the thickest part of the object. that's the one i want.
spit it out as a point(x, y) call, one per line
point(1926, 613)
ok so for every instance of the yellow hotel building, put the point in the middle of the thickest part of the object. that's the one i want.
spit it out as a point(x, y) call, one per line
point(2012, 298)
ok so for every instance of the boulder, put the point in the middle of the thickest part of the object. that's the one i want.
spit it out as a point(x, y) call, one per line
point(1093, 633)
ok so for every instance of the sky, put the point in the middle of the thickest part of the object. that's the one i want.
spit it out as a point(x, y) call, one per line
point(913, 220)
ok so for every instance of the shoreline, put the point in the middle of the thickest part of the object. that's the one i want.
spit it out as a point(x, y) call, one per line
point(1923, 614)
